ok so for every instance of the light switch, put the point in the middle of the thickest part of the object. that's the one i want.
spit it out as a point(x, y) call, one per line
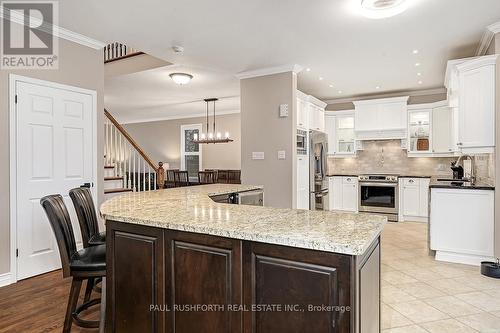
point(281, 154)
point(283, 110)
point(257, 155)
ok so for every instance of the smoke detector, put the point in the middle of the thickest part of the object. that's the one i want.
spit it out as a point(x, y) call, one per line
point(178, 49)
point(377, 9)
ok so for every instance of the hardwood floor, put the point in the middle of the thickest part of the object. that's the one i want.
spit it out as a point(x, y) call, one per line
point(38, 304)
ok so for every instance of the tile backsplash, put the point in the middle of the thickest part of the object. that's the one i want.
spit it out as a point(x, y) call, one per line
point(387, 157)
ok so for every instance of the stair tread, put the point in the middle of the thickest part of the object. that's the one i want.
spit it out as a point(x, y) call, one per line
point(117, 190)
point(109, 167)
point(113, 178)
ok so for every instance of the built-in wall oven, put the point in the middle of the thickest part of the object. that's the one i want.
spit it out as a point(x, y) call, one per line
point(379, 194)
point(302, 142)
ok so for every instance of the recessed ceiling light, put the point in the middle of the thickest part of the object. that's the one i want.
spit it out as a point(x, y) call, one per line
point(340, 91)
point(419, 74)
point(415, 51)
point(377, 87)
point(420, 82)
point(308, 69)
point(378, 9)
point(321, 78)
point(417, 64)
point(331, 85)
point(181, 78)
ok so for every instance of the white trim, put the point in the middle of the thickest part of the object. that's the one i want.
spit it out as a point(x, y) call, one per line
point(433, 105)
point(382, 100)
point(461, 258)
point(478, 62)
point(196, 115)
point(269, 71)
point(487, 38)
point(13, 79)
point(5, 279)
point(410, 93)
point(58, 31)
point(199, 127)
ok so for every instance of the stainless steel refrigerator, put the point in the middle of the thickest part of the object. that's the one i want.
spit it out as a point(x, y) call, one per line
point(318, 183)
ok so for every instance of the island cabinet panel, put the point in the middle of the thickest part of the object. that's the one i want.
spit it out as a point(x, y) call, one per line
point(135, 272)
point(295, 279)
point(203, 270)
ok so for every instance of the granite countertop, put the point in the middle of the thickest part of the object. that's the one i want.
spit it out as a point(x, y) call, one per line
point(356, 175)
point(477, 186)
point(191, 209)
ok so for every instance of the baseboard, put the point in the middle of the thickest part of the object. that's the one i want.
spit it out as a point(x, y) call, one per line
point(414, 219)
point(5, 279)
point(459, 258)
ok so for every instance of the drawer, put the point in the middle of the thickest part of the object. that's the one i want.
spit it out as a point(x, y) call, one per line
point(411, 181)
point(349, 180)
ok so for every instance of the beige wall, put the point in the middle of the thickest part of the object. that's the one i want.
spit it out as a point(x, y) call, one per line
point(161, 141)
point(412, 100)
point(264, 131)
point(78, 66)
point(497, 154)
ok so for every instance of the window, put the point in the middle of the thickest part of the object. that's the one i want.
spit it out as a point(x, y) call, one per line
point(190, 151)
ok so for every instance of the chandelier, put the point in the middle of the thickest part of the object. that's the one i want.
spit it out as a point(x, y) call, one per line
point(214, 136)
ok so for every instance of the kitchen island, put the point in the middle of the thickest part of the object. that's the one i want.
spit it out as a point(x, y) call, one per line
point(179, 262)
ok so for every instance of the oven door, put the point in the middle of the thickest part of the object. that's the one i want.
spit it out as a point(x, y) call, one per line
point(378, 197)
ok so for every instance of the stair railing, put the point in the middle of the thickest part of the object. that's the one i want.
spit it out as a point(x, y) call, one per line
point(116, 51)
point(139, 172)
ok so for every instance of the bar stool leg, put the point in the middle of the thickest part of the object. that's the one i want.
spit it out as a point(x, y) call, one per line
point(76, 285)
point(88, 290)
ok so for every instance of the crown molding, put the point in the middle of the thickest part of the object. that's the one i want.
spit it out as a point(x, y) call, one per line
point(487, 38)
point(269, 71)
point(57, 31)
point(411, 93)
point(175, 117)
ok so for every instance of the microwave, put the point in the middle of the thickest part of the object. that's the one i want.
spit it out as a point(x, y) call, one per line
point(301, 142)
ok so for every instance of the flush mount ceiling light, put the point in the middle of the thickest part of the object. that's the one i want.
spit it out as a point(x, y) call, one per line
point(378, 9)
point(181, 78)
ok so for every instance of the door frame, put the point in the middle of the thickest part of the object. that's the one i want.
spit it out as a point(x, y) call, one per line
point(13, 79)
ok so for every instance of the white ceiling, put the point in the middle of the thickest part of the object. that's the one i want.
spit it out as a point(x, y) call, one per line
point(351, 52)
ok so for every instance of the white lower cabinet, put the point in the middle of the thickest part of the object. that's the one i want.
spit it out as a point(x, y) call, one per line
point(462, 225)
point(302, 182)
point(413, 199)
point(343, 193)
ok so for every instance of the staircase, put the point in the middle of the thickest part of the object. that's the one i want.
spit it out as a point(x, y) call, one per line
point(127, 168)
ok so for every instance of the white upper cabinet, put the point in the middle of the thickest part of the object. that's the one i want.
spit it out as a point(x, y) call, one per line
point(381, 118)
point(340, 127)
point(443, 141)
point(471, 92)
point(420, 131)
point(476, 110)
point(310, 112)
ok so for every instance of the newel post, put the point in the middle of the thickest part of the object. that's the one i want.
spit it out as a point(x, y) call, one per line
point(160, 176)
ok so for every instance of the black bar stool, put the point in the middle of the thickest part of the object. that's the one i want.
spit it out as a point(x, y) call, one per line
point(87, 219)
point(81, 265)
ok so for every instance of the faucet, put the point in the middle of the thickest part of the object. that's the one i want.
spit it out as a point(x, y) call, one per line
point(472, 177)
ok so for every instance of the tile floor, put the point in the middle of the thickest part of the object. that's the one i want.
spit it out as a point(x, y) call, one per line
point(421, 295)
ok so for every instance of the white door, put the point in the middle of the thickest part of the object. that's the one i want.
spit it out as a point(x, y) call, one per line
point(55, 145)
point(349, 197)
point(302, 182)
point(411, 200)
point(442, 121)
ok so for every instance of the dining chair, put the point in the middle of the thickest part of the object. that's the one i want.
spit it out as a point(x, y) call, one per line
point(206, 177)
point(170, 181)
point(222, 176)
point(234, 176)
point(181, 178)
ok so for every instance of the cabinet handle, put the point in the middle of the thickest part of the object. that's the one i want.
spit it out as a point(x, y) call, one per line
point(459, 143)
point(348, 179)
point(411, 181)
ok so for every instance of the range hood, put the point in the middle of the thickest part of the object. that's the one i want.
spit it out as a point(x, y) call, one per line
point(381, 119)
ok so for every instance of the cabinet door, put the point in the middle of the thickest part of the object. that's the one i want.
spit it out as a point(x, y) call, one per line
point(330, 129)
point(477, 108)
point(419, 131)
point(321, 119)
point(217, 281)
point(345, 135)
point(350, 196)
point(302, 182)
point(335, 193)
point(424, 197)
point(411, 200)
point(442, 130)
point(302, 114)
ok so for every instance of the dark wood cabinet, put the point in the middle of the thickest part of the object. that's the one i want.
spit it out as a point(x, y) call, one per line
point(203, 283)
point(135, 278)
point(161, 280)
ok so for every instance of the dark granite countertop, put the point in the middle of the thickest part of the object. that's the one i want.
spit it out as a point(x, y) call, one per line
point(413, 176)
point(341, 175)
point(449, 185)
